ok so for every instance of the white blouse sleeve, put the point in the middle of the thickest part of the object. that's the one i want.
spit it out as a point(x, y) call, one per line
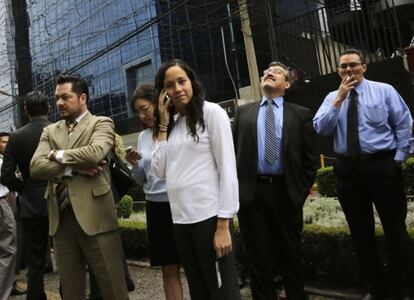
point(159, 159)
point(221, 138)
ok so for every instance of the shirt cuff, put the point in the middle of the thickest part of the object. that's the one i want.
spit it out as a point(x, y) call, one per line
point(59, 155)
point(225, 215)
point(400, 156)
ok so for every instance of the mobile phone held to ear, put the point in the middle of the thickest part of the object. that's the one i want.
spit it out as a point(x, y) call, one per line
point(128, 149)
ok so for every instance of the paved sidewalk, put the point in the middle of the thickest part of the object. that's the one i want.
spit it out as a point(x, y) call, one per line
point(148, 284)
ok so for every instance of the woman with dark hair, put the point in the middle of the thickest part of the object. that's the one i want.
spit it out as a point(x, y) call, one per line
point(194, 152)
point(162, 247)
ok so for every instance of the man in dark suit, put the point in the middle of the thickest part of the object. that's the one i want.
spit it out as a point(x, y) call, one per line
point(19, 151)
point(276, 165)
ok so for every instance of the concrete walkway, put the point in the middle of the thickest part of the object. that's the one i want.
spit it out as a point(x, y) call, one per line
point(148, 284)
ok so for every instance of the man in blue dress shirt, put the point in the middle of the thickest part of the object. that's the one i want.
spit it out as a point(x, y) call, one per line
point(371, 125)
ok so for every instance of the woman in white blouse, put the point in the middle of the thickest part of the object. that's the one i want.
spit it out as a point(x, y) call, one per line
point(194, 152)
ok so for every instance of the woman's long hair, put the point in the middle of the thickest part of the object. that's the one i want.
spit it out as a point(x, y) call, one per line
point(194, 109)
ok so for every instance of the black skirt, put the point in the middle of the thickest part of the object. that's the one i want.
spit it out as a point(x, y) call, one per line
point(162, 249)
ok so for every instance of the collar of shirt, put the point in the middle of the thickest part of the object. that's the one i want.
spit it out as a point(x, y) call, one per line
point(278, 101)
point(80, 117)
point(359, 88)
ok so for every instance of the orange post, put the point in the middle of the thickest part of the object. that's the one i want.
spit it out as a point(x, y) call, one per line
point(322, 158)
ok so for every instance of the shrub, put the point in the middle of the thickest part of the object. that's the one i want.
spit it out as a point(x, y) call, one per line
point(134, 238)
point(124, 207)
point(328, 254)
point(326, 181)
point(409, 175)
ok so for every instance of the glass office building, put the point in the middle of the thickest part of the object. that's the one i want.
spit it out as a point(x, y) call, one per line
point(107, 42)
point(117, 45)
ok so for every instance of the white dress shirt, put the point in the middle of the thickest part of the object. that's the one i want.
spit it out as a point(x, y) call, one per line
point(201, 176)
point(3, 189)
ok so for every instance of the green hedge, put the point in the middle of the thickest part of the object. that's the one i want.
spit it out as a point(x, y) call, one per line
point(326, 181)
point(124, 207)
point(328, 254)
point(134, 238)
point(409, 175)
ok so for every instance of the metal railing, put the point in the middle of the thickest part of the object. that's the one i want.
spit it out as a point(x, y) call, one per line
point(313, 42)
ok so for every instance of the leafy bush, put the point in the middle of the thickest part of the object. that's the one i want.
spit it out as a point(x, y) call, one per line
point(325, 212)
point(326, 181)
point(134, 238)
point(409, 175)
point(124, 207)
point(328, 254)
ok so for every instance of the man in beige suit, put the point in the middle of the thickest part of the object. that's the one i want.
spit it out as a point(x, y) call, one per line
point(71, 156)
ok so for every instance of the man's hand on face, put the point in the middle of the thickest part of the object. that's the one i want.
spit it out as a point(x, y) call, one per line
point(348, 83)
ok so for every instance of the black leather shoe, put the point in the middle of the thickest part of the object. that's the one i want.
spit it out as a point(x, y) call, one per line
point(18, 290)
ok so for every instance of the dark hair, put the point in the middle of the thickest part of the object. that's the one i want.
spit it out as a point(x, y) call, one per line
point(79, 85)
point(283, 66)
point(144, 91)
point(37, 104)
point(3, 133)
point(354, 51)
point(194, 107)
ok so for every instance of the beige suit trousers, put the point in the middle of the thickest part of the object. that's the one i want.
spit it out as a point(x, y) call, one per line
point(74, 249)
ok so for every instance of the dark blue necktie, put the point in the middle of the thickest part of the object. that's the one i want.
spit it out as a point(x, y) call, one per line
point(271, 141)
point(353, 125)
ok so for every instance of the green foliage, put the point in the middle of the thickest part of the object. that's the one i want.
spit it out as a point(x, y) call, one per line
point(324, 212)
point(326, 181)
point(134, 238)
point(124, 206)
point(328, 254)
point(409, 175)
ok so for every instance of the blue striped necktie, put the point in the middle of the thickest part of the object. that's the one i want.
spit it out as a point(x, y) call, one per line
point(271, 140)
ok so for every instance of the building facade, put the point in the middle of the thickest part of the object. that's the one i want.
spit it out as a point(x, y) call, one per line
point(8, 85)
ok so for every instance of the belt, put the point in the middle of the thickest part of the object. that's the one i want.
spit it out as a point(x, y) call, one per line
point(368, 156)
point(269, 178)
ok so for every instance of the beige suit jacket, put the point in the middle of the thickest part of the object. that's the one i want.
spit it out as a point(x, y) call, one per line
point(91, 197)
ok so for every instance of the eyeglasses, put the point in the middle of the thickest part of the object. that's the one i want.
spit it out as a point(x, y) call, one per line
point(274, 72)
point(351, 65)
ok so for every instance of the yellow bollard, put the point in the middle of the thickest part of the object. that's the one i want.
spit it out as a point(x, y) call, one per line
point(322, 160)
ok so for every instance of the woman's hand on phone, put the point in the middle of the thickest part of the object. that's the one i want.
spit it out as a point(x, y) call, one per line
point(133, 157)
point(163, 107)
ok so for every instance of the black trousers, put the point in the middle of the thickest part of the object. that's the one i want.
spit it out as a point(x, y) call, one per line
point(376, 181)
point(36, 235)
point(198, 257)
point(271, 227)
